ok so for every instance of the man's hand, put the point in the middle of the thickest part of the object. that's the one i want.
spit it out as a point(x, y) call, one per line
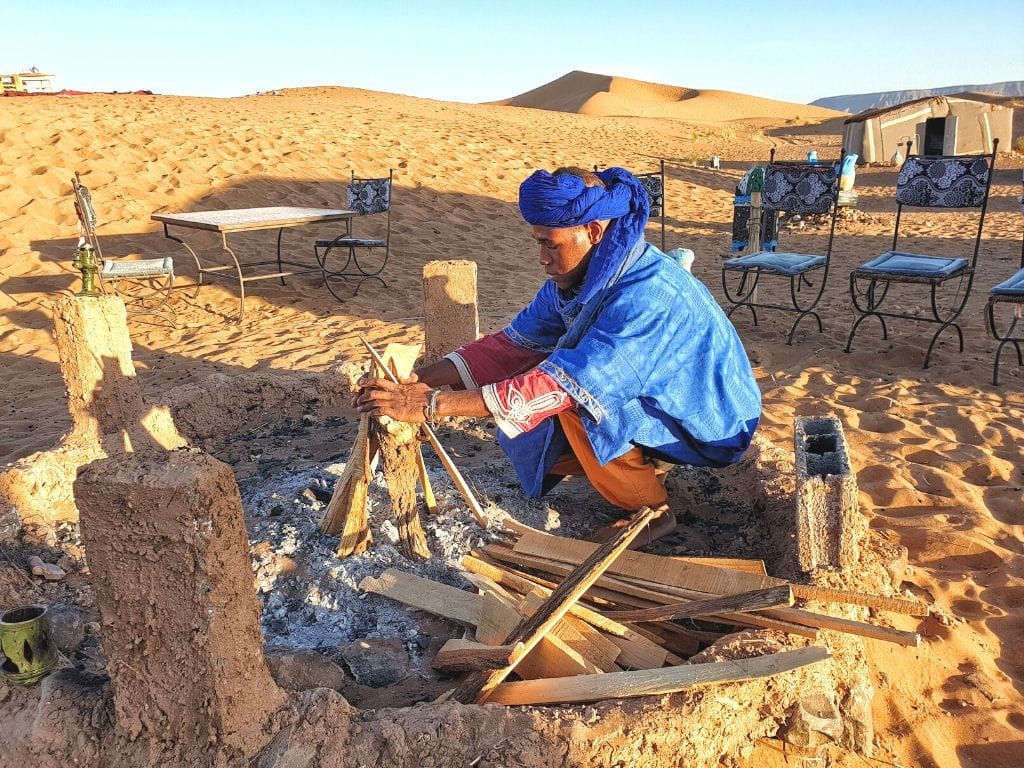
point(402, 402)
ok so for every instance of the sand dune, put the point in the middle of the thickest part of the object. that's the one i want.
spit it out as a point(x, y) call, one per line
point(607, 96)
point(938, 452)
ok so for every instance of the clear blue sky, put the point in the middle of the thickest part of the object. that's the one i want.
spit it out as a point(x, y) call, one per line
point(482, 51)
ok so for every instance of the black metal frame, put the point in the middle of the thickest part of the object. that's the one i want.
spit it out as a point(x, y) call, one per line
point(346, 242)
point(964, 276)
point(1017, 300)
point(151, 294)
point(746, 295)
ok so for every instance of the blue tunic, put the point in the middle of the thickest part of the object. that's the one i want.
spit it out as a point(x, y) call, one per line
point(651, 361)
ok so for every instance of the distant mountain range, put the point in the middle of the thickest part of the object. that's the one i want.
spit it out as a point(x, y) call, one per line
point(859, 102)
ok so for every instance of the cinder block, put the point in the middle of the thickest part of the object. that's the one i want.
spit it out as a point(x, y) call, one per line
point(449, 307)
point(169, 558)
point(829, 525)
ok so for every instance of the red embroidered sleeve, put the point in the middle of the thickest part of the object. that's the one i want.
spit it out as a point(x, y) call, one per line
point(521, 403)
point(490, 359)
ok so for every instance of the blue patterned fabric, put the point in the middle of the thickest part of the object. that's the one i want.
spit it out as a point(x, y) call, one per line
point(652, 361)
point(654, 184)
point(943, 182)
point(1012, 286)
point(800, 188)
point(913, 265)
point(788, 264)
point(354, 242)
point(741, 222)
point(366, 196)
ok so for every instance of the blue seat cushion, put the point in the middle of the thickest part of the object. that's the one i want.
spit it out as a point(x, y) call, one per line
point(350, 242)
point(1013, 286)
point(913, 265)
point(780, 263)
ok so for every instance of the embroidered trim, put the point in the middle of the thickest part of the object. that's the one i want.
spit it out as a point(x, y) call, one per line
point(464, 373)
point(513, 418)
point(517, 338)
point(578, 393)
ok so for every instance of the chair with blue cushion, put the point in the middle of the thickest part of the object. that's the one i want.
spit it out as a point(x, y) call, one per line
point(941, 182)
point(144, 285)
point(339, 258)
point(792, 188)
point(1008, 295)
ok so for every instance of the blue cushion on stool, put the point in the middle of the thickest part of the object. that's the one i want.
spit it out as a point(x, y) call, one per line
point(782, 263)
point(913, 265)
point(1011, 286)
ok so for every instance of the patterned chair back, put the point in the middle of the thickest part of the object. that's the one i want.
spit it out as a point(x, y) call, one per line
point(800, 187)
point(943, 182)
point(655, 186)
point(366, 196)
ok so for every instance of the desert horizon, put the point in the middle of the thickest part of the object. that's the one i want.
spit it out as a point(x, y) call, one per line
point(938, 453)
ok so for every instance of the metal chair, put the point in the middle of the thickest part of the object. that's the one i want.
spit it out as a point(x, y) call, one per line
point(143, 284)
point(935, 182)
point(1009, 292)
point(792, 188)
point(339, 257)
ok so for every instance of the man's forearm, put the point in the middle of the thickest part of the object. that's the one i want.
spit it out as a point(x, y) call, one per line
point(460, 403)
point(440, 374)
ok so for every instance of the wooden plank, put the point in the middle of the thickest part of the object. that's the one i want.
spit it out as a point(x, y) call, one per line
point(741, 603)
point(552, 657)
point(730, 563)
point(426, 595)
point(826, 595)
point(635, 650)
point(458, 655)
point(590, 643)
point(479, 685)
point(652, 682)
point(657, 594)
point(654, 568)
point(849, 626)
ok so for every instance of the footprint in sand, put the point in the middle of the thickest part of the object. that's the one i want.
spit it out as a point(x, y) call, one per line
point(879, 422)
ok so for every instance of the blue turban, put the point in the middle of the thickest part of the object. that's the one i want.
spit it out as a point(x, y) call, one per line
point(566, 201)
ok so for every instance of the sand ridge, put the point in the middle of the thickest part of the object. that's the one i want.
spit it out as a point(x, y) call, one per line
point(938, 453)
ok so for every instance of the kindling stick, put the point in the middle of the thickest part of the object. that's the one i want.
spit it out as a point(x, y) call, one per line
point(474, 506)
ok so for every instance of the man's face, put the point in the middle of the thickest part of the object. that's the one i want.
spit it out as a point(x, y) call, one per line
point(564, 251)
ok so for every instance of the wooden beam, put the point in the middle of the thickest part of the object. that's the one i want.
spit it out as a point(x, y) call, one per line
point(478, 686)
point(826, 595)
point(849, 626)
point(652, 682)
point(636, 651)
point(755, 567)
point(426, 595)
point(654, 568)
point(466, 656)
point(741, 603)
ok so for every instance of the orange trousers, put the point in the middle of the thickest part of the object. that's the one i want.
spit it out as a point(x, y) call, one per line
point(628, 482)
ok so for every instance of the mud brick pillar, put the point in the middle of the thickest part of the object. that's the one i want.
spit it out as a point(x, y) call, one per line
point(829, 525)
point(450, 307)
point(104, 398)
point(166, 542)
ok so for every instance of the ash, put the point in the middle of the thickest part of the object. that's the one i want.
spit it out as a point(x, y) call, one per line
point(310, 598)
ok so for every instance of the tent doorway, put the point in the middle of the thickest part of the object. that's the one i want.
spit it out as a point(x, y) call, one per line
point(939, 136)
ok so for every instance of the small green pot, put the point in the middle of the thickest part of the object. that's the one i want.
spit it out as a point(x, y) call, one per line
point(28, 651)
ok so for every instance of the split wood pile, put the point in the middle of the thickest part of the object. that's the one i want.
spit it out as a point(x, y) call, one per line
point(577, 621)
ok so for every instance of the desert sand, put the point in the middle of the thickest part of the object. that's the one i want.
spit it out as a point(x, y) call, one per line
point(938, 452)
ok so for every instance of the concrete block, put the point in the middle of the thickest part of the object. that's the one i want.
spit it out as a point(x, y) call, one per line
point(449, 307)
point(829, 526)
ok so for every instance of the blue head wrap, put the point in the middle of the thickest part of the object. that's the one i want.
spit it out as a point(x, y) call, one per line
point(565, 201)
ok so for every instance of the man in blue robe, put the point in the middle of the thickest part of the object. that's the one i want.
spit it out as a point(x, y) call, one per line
point(623, 359)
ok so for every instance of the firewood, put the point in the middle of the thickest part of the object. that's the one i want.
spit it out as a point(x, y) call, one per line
point(478, 686)
point(652, 682)
point(346, 512)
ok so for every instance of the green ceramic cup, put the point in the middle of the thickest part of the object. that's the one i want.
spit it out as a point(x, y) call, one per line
point(27, 646)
